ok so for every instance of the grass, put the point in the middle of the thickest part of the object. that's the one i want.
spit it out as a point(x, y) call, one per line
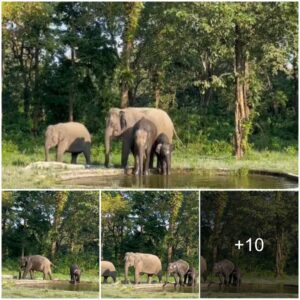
point(10, 290)
point(15, 158)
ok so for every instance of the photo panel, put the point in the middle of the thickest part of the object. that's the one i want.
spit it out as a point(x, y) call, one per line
point(50, 244)
point(249, 244)
point(149, 244)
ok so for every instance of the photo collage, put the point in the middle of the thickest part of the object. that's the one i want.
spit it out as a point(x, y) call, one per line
point(149, 149)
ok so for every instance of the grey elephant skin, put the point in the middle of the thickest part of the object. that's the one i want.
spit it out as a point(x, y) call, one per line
point(179, 270)
point(120, 122)
point(74, 274)
point(143, 263)
point(191, 277)
point(69, 137)
point(144, 135)
point(108, 270)
point(236, 276)
point(163, 150)
point(203, 266)
point(36, 263)
point(223, 269)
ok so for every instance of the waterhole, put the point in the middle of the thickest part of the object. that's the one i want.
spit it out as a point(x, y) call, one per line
point(186, 180)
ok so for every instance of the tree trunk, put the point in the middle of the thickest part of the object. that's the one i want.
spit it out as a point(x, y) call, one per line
point(37, 109)
point(71, 91)
point(219, 211)
point(241, 90)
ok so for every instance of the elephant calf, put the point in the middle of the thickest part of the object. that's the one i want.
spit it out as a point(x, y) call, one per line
point(236, 276)
point(191, 276)
point(75, 274)
point(163, 150)
point(144, 134)
point(35, 263)
point(179, 269)
point(69, 137)
point(108, 270)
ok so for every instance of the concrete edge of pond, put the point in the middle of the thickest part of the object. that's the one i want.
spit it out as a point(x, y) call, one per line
point(69, 171)
point(40, 281)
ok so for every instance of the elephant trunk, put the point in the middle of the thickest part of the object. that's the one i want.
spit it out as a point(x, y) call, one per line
point(141, 160)
point(108, 135)
point(47, 147)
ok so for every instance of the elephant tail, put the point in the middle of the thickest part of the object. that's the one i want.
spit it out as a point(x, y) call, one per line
point(177, 137)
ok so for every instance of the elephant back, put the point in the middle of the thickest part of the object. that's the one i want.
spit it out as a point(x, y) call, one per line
point(151, 263)
point(75, 130)
point(107, 266)
point(162, 121)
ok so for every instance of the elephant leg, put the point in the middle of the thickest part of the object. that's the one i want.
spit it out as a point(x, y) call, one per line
point(159, 275)
point(175, 278)
point(151, 160)
point(87, 155)
point(137, 165)
point(105, 279)
point(147, 162)
point(137, 277)
point(74, 158)
point(60, 152)
point(125, 153)
point(149, 278)
point(31, 274)
point(49, 274)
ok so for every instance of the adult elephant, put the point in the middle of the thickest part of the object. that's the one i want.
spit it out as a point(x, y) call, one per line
point(35, 263)
point(203, 269)
point(223, 269)
point(69, 137)
point(120, 122)
point(143, 263)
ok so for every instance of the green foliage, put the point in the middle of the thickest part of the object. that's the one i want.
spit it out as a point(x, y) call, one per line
point(150, 222)
point(271, 216)
point(63, 226)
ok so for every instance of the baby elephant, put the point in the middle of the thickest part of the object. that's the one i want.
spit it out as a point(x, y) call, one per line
point(75, 274)
point(163, 150)
point(35, 263)
point(108, 270)
point(191, 277)
point(236, 276)
point(178, 269)
point(144, 134)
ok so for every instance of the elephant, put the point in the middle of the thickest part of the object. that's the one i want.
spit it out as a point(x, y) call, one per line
point(108, 269)
point(203, 269)
point(35, 263)
point(163, 150)
point(143, 263)
point(144, 134)
point(179, 270)
point(120, 122)
point(191, 277)
point(75, 274)
point(69, 137)
point(223, 269)
point(236, 276)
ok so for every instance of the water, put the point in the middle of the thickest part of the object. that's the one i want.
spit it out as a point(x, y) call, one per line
point(66, 286)
point(186, 180)
point(251, 288)
point(171, 289)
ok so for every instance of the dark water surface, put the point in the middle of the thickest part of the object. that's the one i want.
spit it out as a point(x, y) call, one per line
point(186, 180)
point(66, 286)
point(249, 288)
point(171, 289)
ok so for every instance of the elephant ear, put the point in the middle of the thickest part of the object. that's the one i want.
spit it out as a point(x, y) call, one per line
point(137, 259)
point(123, 123)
